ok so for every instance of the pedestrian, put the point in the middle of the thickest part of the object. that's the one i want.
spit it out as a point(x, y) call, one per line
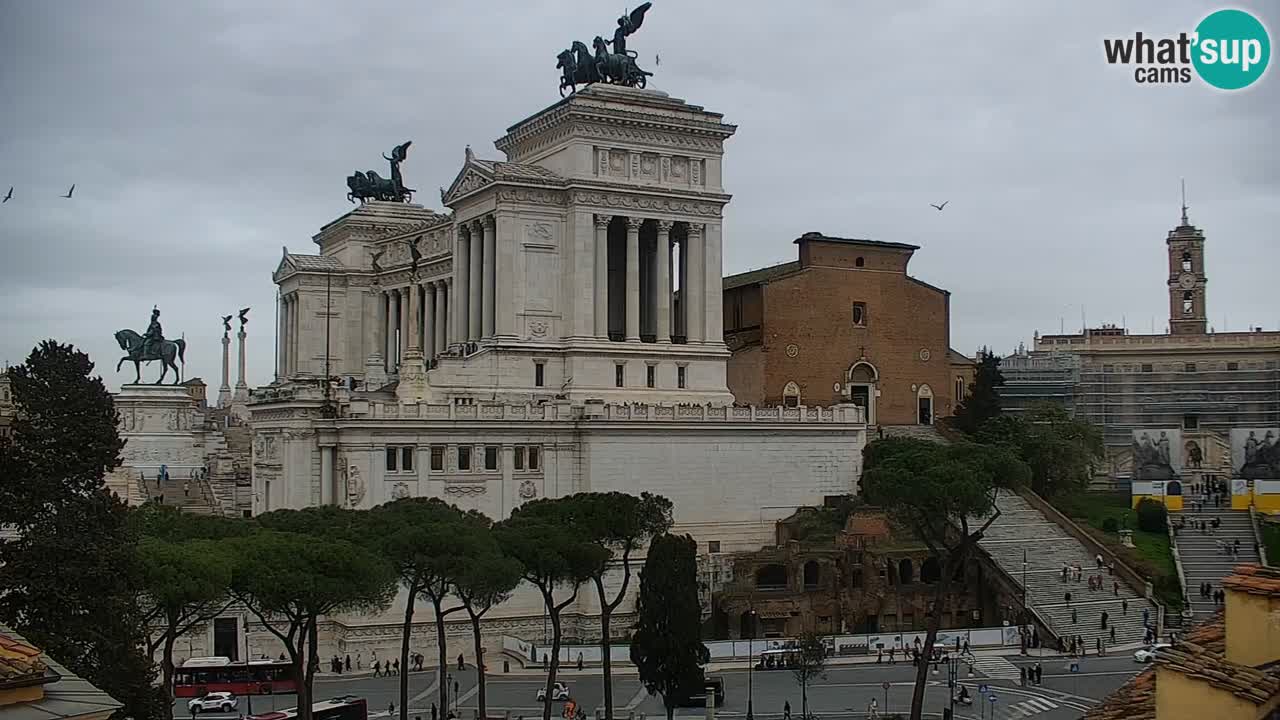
point(435, 714)
point(891, 655)
point(873, 709)
point(1113, 633)
point(1099, 647)
point(391, 709)
point(786, 709)
point(1039, 673)
point(359, 661)
point(1105, 615)
point(1073, 616)
point(1115, 588)
point(1098, 559)
point(377, 668)
point(579, 661)
point(1065, 570)
point(1067, 597)
point(186, 488)
point(463, 666)
point(396, 664)
point(1111, 568)
point(1022, 676)
point(966, 646)
point(1146, 617)
point(348, 663)
point(879, 656)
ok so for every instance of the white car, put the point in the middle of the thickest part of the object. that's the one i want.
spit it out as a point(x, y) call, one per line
point(1148, 653)
point(223, 702)
point(559, 692)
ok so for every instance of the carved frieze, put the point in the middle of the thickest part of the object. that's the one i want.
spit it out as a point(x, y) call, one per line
point(532, 197)
point(662, 205)
point(528, 490)
point(399, 491)
point(465, 490)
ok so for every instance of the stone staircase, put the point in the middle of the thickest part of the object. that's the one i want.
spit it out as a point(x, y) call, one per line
point(198, 501)
point(1022, 531)
point(1200, 557)
point(919, 432)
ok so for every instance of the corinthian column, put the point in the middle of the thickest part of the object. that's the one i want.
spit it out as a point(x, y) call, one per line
point(224, 392)
point(695, 293)
point(461, 285)
point(602, 277)
point(662, 282)
point(443, 323)
point(429, 321)
point(633, 279)
point(489, 284)
point(475, 305)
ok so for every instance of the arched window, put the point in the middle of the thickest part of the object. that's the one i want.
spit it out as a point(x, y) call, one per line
point(905, 572)
point(771, 577)
point(1186, 261)
point(929, 571)
point(791, 395)
point(859, 262)
point(1188, 302)
point(811, 574)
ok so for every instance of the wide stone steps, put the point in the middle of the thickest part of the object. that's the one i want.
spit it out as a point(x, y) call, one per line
point(1204, 556)
point(1022, 532)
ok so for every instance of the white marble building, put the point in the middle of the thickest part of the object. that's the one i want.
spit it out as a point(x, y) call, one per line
point(562, 332)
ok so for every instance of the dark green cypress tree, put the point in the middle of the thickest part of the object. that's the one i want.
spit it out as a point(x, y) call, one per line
point(666, 646)
point(982, 402)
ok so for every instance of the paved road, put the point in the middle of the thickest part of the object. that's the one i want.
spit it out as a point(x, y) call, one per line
point(845, 692)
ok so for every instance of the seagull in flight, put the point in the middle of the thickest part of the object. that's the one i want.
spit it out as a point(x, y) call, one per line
point(6, 197)
point(69, 192)
point(939, 207)
point(657, 59)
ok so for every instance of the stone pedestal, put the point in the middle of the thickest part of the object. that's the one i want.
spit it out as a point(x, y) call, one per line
point(160, 425)
point(413, 387)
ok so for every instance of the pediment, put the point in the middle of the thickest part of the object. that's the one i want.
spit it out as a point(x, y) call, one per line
point(285, 267)
point(470, 178)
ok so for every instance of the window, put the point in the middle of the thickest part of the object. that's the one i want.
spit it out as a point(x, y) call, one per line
point(959, 388)
point(791, 395)
point(1189, 367)
point(490, 457)
point(1190, 422)
point(859, 262)
point(539, 374)
point(517, 458)
point(860, 314)
point(1186, 261)
point(680, 371)
point(650, 376)
point(437, 458)
point(617, 375)
point(1146, 367)
point(246, 513)
point(406, 459)
point(400, 459)
point(1188, 302)
point(392, 456)
point(464, 458)
point(713, 546)
point(533, 457)
point(1233, 366)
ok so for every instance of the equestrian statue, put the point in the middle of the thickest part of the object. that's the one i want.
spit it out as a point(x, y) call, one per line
point(152, 346)
point(369, 185)
point(616, 66)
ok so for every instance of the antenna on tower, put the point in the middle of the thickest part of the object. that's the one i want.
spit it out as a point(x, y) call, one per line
point(1184, 202)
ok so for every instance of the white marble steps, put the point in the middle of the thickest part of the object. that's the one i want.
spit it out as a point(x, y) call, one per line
point(1021, 527)
point(1201, 557)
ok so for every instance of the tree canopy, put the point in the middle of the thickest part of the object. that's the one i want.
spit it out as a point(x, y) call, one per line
point(1061, 451)
point(982, 401)
point(666, 645)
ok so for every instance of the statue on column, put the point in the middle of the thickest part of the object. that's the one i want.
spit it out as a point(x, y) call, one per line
point(244, 318)
point(151, 346)
point(226, 325)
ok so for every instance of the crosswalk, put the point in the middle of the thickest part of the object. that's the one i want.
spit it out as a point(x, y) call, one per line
point(1027, 708)
point(996, 667)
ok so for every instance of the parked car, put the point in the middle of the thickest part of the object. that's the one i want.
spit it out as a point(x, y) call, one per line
point(559, 692)
point(1148, 653)
point(215, 701)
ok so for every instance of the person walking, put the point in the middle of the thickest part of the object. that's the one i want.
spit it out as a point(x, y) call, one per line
point(786, 709)
point(879, 656)
point(892, 652)
point(391, 710)
point(186, 488)
point(348, 663)
point(377, 668)
point(1022, 676)
point(435, 712)
point(1039, 673)
point(1115, 588)
point(1105, 616)
point(1073, 616)
point(1113, 634)
point(1098, 559)
point(1066, 569)
point(396, 664)
point(1067, 597)
point(359, 661)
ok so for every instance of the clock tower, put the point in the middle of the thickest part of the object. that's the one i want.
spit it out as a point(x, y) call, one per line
point(1187, 314)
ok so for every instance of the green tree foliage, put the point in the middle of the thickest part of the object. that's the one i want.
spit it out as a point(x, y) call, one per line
point(944, 494)
point(982, 401)
point(1060, 450)
point(486, 577)
point(665, 646)
point(71, 576)
point(424, 540)
point(810, 665)
point(621, 524)
point(289, 580)
point(554, 556)
point(1152, 516)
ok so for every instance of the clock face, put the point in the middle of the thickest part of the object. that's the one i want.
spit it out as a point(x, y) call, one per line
point(1187, 281)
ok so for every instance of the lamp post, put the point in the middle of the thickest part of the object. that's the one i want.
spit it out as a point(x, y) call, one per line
point(751, 641)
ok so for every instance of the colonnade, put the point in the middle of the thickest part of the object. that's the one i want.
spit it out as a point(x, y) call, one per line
point(414, 317)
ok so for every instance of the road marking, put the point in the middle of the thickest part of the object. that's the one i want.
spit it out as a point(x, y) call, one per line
point(466, 695)
point(636, 699)
point(435, 685)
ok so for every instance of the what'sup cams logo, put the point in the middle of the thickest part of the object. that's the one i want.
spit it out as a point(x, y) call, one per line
point(1229, 50)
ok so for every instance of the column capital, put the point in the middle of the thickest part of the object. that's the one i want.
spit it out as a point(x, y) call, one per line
point(664, 226)
point(694, 229)
point(602, 221)
point(477, 226)
point(634, 223)
point(489, 222)
point(464, 231)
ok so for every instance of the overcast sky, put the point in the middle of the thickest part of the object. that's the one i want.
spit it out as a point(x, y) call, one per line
point(204, 136)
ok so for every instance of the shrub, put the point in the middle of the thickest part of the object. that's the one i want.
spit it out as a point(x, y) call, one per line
point(1110, 525)
point(1152, 516)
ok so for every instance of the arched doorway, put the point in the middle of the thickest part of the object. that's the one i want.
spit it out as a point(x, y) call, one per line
point(924, 401)
point(906, 574)
point(861, 380)
point(929, 571)
point(791, 395)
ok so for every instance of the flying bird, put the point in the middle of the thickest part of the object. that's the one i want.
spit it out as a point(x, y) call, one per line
point(657, 59)
point(939, 207)
point(6, 197)
point(69, 192)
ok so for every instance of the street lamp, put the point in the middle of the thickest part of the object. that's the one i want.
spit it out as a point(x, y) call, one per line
point(751, 641)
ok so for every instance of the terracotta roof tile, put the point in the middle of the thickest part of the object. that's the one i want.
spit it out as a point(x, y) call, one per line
point(18, 659)
point(755, 277)
point(1196, 661)
point(1254, 579)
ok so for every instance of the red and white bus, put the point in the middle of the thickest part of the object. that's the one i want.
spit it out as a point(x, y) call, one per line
point(202, 675)
point(347, 707)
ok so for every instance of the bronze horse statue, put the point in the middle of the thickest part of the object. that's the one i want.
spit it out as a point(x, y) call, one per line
point(577, 67)
point(369, 185)
point(166, 353)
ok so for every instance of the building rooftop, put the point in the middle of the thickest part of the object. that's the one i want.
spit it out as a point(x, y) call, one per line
point(314, 263)
point(1254, 580)
point(755, 277)
point(518, 171)
point(66, 696)
point(955, 357)
point(854, 241)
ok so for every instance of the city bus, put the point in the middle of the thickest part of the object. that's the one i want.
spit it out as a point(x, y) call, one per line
point(202, 675)
point(347, 707)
